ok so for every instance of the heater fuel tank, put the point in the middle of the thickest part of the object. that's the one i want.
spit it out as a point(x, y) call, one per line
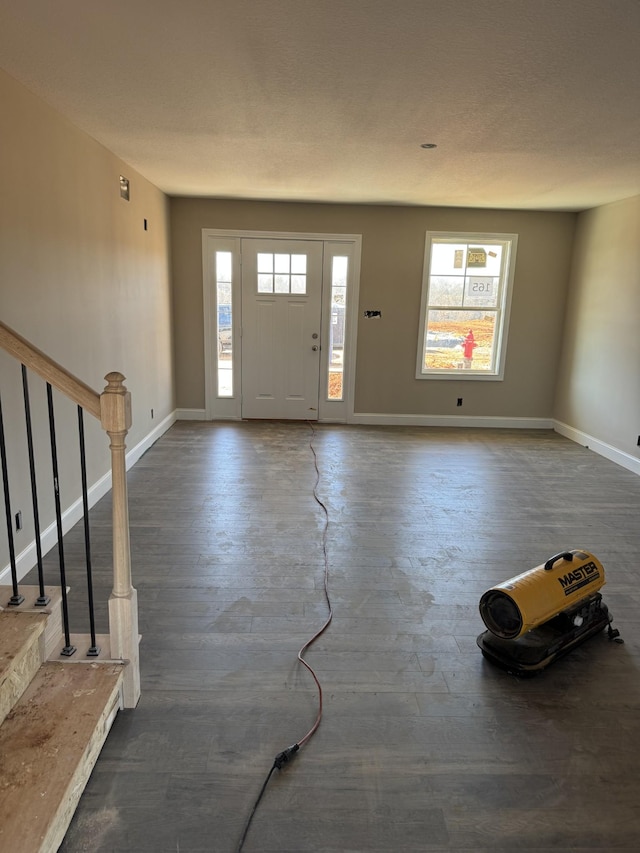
point(513, 607)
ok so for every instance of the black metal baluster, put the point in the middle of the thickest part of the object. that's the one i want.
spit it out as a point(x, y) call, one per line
point(16, 598)
point(68, 649)
point(94, 651)
point(42, 599)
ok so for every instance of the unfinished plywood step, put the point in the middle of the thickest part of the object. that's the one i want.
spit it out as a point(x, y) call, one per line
point(53, 609)
point(82, 645)
point(21, 654)
point(49, 744)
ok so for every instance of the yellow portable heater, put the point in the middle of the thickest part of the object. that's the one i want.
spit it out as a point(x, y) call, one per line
point(541, 614)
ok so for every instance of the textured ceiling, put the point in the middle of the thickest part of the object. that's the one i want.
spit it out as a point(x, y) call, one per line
point(533, 104)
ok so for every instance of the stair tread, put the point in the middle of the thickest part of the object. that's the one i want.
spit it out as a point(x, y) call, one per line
point(48, 745)
point(16, 629)
point(20, 654)
point(52, 609)
point(31, 596)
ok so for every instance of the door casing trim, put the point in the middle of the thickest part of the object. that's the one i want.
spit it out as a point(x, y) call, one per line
point(230, 408)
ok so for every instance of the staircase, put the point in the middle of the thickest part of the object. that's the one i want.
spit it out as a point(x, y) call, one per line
point(54, 719)
point(59, 692)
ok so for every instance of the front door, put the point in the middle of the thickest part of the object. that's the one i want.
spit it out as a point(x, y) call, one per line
point(281, 311)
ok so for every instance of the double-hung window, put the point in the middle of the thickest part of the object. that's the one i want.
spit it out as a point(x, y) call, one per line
point(466, 295)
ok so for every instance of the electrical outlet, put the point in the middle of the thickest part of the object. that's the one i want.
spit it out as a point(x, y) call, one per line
point(151, 414)
point(19, 520)
point(459, 403)
point(639, 441)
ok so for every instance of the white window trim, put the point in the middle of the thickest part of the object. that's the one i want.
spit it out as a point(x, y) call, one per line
point(502, 332)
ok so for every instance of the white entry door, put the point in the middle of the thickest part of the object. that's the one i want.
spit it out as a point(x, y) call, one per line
point(281, 313)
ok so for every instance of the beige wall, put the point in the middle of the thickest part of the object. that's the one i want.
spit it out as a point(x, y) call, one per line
point(598, 389)
point(81, 279)
point(391, 277)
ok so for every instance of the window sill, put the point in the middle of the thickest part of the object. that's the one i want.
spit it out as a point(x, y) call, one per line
point(464, 375)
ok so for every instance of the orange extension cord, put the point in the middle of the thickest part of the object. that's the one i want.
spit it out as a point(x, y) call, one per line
point(286, 755)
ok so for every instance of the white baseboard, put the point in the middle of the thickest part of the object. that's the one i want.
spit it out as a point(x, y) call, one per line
point(409, 420)
point(150, 439)
point(27, 558)
point(620, 457)
point(190, 414)
point(451, 421)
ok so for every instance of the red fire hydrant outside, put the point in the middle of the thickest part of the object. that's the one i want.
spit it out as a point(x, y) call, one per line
point(468, 346)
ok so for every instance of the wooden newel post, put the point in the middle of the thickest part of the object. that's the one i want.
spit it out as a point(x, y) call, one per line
point(115, 417)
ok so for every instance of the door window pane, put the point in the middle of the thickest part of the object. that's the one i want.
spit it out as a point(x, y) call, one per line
point(290, 273)
point(298, 284)
point(282, 263)
point(299, 264)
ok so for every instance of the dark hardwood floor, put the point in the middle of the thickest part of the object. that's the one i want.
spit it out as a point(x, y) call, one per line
point(424, 745)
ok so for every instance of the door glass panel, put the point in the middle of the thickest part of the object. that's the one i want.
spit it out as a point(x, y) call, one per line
point(224, 326)
point(299, 264)
point(290, 273)
point(265, 283)
point(339, 269)
point(298, 284)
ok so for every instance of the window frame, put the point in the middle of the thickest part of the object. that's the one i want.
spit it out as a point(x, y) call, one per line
point(502, 311)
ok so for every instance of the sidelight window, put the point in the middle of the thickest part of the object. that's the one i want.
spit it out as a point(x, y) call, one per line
point(338, 307)
point(224, 323)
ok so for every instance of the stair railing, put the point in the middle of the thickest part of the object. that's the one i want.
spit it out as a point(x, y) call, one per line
point(112, 408)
